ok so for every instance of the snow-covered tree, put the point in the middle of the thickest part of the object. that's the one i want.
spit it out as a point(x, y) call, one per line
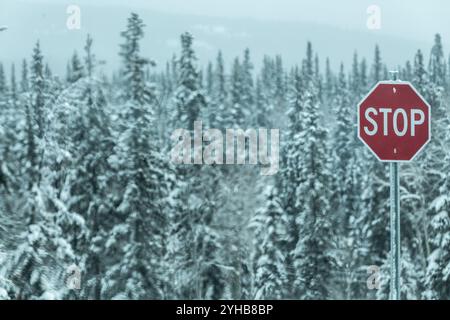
point(141, 215)
point(236, 111)
point(247, 89)
point(37, 89)
point(218, 106)
point(36, 265)
point(3, 82)
point(329, 82)
point(438, 269)
point(193, 237)
point(270, 275)
point(209, 79)
point(377, 67)
point(189, 100)
point(344, 140)
point(76, 70)
point(79, 143)
point(24, 84)
point(363, 76)
point(437, 65)
point(312, 259)
point(14, 93)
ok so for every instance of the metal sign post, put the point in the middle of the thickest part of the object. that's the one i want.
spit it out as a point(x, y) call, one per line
point(395, 224)
point(395, 232)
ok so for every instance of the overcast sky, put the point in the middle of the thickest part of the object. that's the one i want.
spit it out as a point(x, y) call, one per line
point(411, 18)
point(337, 28)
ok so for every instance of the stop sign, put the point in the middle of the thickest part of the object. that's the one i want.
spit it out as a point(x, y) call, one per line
point(394, 121)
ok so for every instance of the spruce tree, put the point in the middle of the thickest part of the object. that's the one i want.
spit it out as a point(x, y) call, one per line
point(377, 67)
point(76, 71)
point(437, 64)
point(262, 114)
point(36, 265)
point(138, 235)
point(347, 177)
point(237, 112)
point(329, 80)
point(343, 145)
point(24, 84)
point(438, 268)
point(14, 93)
point(196, 270)
point(37, 89)
point(291, 159)
point(247, 89)
point(270, 274)
point(3, 83)
point(355, 84)
point(280, 84)
point(363, 76)
point(189, 100)
point(312, 258)
point(218, 114)
point(435, 166)
point(209, 79)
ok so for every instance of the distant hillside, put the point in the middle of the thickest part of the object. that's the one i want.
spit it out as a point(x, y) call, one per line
point(29, 22)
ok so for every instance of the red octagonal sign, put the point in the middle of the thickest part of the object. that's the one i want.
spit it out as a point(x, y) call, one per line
point(394, 121)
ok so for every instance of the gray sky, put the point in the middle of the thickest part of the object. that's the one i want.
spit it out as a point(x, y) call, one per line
point(416, 19)
point(336, 28)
